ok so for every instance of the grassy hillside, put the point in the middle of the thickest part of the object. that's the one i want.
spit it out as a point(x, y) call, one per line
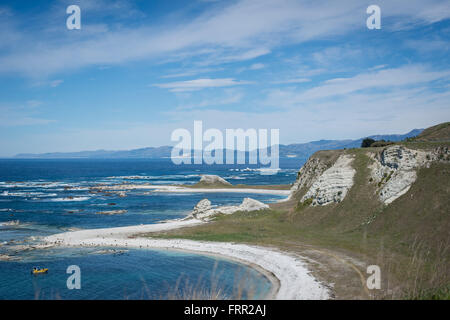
point(440, 132)
point(409, 239)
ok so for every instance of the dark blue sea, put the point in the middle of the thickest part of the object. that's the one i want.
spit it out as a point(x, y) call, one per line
point(44, 197)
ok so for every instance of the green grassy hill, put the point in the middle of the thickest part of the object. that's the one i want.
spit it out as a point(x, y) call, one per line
point(408, 238)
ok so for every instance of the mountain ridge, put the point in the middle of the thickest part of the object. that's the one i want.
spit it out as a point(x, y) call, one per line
point(298, 150)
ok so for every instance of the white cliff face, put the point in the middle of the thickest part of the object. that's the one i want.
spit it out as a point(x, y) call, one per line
point(213, 179)
point(394, 170)
point(333, 184)
point(307, 175)
point(397, 186)
point(203, 210)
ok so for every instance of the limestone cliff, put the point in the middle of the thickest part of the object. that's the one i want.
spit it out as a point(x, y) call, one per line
point(394, 169)
point(328, 176)
point(333, 184)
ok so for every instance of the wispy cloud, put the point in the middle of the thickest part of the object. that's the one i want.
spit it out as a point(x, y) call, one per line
point(309, 67)
point(256, 66)
point(381, 79)
point(26, 114)
point(189, 72)
point(291, 81)
point(55, 83)
point(33, 103)
point(198, 84)
point(47, 83)
point(230, 97)
point(235, 31)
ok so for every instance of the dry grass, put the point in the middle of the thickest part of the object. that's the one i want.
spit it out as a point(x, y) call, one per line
point(440, 132)
point(423, 274)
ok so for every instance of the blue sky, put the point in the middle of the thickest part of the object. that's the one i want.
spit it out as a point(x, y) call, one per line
point(137, 70)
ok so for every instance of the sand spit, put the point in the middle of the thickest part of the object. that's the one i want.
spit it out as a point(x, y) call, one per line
point(179, 189)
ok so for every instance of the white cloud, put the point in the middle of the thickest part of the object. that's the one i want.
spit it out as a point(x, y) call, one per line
point(435, 45)
point(231, 96)
point(232, 31)
point(257, 66)
point(332, 55)
point(33, 103)
point(291, 81)
point(381, 66)
point(55, 83)
point(354, 115)
point(189, 72)
point(380, 79)
point(22, 115)
point(198, 84)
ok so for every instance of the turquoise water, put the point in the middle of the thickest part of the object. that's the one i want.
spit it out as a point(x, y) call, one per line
point(44, 197)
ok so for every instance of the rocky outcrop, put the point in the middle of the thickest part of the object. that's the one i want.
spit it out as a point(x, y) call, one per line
point(333, 184)
point(204, 210)
point(313, 168)
point(111, 212)
point(250, 204)
point(213, 180)
point(394, 170)
point(324, 180)
point(10, 223)
point(5, 257)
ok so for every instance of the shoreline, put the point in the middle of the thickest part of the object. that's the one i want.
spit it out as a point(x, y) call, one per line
point(181, 189)
point(275, 283)
point(288, 274)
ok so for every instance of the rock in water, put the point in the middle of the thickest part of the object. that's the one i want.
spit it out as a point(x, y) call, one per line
point(209, 179)
point(112, 212)
point(10, 223)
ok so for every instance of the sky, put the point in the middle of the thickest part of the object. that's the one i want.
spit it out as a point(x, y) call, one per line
point(137, 70)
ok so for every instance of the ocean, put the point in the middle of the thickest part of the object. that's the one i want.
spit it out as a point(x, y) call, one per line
point(44, 197)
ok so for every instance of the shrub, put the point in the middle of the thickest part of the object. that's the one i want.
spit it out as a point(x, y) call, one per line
point(381, 143)
point(367, 142)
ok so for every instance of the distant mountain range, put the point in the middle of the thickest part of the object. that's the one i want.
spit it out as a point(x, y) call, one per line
point(298, 150)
